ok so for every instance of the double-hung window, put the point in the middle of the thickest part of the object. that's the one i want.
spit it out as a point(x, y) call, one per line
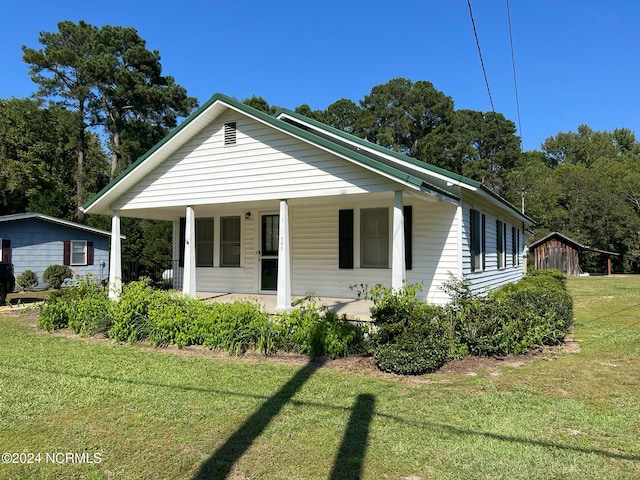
point(230, 242)
point(78, 252)
point(374, 238)
point(515, 246)
point(501, 243)
point(478, 241)
point(204, 242)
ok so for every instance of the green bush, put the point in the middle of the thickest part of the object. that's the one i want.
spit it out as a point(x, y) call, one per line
point(27, 279)
point(55, 275)
point(130, 316)
point(53, 313)
point(392, 310)
point(90, 309)
point(411, 337)
point(411, 356)
point(84, 308)
point(537, 310)
point(312, 330)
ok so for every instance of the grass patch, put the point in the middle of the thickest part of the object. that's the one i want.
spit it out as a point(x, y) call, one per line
point(154, 415)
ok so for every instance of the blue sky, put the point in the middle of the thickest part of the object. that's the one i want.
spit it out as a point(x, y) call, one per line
point(577, 61)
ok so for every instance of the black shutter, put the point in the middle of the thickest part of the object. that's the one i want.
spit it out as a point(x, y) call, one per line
point(345, 239)
point(183, 229)
point(66, 253)
point(408, 237)
point(89, 253)
point(484, 241)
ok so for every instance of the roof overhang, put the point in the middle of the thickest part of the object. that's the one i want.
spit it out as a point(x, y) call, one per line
point(55, 220)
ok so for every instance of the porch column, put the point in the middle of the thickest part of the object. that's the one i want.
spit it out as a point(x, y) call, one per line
point(115, 259)
point(398, 272)
point(283, 300)
point(189, 279)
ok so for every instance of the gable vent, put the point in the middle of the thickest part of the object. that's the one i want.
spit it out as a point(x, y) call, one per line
point(230, 133)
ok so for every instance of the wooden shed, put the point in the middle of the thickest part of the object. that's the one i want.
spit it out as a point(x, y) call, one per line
point(562, 253)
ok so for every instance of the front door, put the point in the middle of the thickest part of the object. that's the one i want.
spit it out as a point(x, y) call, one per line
point(269, 242)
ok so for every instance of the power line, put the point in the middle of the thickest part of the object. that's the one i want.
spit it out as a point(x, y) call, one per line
point(484, 71)
point(513, 64)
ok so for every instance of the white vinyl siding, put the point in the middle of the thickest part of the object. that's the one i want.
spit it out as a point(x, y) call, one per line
point(492, 276)
point(315, 250)
point(262, 165)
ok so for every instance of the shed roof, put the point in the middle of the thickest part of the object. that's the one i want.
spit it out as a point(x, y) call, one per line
point(569, 241)
point(48, 218)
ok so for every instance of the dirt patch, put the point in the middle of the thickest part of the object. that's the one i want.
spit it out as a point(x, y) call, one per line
point(362, 363)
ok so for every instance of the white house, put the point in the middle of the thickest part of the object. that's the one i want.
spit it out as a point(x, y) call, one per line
point(283, 204)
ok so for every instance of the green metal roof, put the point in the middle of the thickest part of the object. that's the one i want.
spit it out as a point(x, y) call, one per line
point(279, 124)
point(381, 149)
point(395, 173)
point(418, 163)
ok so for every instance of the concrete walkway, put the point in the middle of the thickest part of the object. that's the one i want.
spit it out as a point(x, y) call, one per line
point(354, 309)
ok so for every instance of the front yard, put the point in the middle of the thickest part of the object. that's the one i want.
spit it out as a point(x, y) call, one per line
point(126, 411)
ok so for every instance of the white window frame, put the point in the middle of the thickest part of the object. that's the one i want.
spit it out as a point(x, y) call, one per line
point(515, 247)
point(384, 237)
point(206, 243)
point(501, 244)
point(72, 243)
point(478, 240)
point(224, 243)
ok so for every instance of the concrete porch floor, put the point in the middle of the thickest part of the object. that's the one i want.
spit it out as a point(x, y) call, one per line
point(354, 309)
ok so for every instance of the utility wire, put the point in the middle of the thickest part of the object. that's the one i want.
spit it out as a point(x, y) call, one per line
point(513, 64)
point(484, 71)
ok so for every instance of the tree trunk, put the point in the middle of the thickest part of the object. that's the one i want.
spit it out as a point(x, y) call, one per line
point(80, 175)
point(115, 141)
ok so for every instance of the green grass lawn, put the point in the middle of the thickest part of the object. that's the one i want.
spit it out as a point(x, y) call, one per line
point(142, 413)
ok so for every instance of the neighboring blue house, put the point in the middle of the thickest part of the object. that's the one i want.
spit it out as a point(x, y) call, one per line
point(33, 241)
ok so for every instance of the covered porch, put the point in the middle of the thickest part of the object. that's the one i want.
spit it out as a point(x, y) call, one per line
point(353, 309)
point(278, 252)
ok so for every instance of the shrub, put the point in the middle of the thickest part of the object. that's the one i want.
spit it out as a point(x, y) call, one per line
point(411, 337)
point(411, 356)
point(85, 309)
point(54, 312)
point(55, 275)
point(392, 310)
point(313, 330)
point(130, 319)
point(537, 310)
point(27, 279)
point(90, 309)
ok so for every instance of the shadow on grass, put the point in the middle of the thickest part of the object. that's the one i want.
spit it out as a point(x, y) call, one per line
point(239, 442)
point(350, 457)
point(219, 465)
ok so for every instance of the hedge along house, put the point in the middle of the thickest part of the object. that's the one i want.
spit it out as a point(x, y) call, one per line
point(285, 205)
point(33, 241)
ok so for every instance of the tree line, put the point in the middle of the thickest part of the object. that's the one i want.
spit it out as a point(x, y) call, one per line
point(102, 100)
